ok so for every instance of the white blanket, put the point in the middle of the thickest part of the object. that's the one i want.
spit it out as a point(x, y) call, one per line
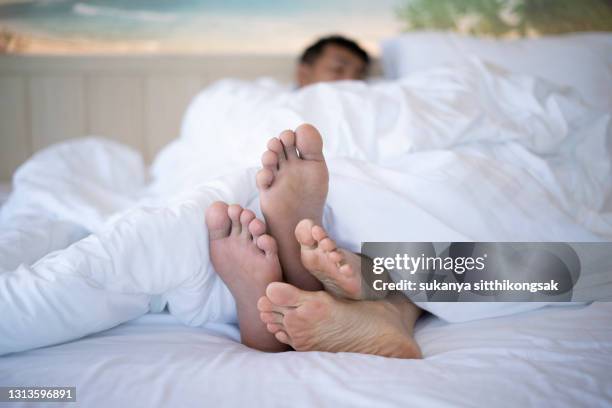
point(453, 154)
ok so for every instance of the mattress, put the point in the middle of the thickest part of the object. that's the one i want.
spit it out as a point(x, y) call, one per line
point(556, 356)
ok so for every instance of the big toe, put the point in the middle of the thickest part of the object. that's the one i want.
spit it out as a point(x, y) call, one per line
point(309, 142)
point(284, 294)
point(218, 221)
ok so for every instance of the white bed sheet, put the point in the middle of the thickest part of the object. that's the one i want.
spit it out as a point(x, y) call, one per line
point(558, 357)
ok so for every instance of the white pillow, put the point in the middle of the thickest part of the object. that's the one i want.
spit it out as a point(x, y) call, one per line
point(581, 61)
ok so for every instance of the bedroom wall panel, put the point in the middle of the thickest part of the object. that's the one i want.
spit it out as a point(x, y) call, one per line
point(56, 109)
point(15, 146)
point(115, 108)
point(166, 99)
point(137, 100)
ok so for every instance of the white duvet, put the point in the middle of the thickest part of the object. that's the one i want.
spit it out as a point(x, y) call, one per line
point(88, 241)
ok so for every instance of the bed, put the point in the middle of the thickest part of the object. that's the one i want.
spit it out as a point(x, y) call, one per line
point(84, 306)
point(548, 357)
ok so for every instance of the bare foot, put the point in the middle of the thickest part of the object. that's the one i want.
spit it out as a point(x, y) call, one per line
point(246, 259)
point(337, 269)
point(309, 321)
point(293, 185)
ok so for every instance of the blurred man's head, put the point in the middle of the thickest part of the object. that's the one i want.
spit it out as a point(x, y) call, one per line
point(332, 58)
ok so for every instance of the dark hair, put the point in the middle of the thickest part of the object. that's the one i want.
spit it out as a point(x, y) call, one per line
point(313, 52)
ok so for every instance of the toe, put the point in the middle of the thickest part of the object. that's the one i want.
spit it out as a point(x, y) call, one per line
point(245, 219)
point(267, 244)
point(284, 294)
point(274, 328)
point(264, 304)
point(303, 233)
point(264, 178)
point(309, 142)
point(269, 160)
point(327, 245)
point(336, 257)
point(217, 220)
point(287, 138)
point(276, 146)
point(282, 337)
point(271, 318)
point(318, 233)
point(234, 211)
point(257, 228)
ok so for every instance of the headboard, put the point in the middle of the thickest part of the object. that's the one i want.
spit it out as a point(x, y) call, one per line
point(138, 101)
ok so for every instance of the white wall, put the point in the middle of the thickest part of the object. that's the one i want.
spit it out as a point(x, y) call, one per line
point(136, 100)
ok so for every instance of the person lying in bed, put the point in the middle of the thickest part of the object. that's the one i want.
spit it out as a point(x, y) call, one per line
point(292, 285)
point(332, 58)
